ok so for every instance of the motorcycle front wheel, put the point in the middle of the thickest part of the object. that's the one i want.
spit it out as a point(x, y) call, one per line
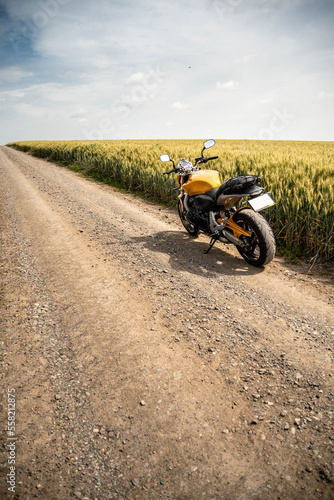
point(193, 230)
point(260, 246)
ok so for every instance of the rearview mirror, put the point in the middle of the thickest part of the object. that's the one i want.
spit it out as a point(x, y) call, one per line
point(208, 144)
point(165, 158)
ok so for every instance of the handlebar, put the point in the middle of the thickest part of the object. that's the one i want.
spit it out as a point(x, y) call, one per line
point(200, 159)
point(211, 158)
point(197, 160)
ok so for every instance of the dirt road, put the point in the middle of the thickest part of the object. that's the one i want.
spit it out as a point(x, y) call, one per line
point(143, 368)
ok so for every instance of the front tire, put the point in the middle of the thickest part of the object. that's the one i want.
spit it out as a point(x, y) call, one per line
point(193, 230)
point(260, 246)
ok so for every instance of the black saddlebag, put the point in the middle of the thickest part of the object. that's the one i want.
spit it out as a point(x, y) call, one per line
point(238, 184)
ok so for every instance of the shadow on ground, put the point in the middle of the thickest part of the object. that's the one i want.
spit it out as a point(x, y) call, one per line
point(187, 254)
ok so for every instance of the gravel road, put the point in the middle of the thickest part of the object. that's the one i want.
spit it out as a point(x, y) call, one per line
point(145, 369)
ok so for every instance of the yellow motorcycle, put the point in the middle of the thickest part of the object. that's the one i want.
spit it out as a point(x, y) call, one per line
point(209, 206)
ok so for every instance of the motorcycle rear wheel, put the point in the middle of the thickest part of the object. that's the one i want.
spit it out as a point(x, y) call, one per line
point(260, 246)
point(193, 230)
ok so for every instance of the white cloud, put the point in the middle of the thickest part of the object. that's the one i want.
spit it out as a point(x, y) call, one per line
point(230, 85)
point(325, 95)
point(11, 93)
point(177, 105)
point(135, 78)
point(31, 111)
point(91, 61)
point(244, 59)
point(79, 113)
point(14, 74)
point(83, 122)
point(267, 101)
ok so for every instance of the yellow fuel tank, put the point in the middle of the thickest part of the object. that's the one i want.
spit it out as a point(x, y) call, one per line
point(201, 181)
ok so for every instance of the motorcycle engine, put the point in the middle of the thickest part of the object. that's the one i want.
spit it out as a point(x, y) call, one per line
point(196, 216)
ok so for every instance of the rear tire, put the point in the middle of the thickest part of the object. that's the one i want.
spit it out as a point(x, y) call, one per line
point(193, 230)
point(260, 246)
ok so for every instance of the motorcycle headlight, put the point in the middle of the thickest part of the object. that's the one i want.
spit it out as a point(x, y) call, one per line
point(185, 165)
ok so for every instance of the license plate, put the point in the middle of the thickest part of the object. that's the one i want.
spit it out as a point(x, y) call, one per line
point(261, 202)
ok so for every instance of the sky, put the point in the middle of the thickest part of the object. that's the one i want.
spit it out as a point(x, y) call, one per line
point(176, 69)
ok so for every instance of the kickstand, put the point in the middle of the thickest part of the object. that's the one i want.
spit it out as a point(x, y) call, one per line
point(212, 242)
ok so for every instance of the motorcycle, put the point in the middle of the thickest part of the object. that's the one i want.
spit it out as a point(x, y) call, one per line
point(206, 205)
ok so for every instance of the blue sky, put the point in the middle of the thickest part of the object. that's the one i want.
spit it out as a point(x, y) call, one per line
point(234, 69)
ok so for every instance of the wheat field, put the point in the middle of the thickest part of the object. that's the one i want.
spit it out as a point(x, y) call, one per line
point(300, 176)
